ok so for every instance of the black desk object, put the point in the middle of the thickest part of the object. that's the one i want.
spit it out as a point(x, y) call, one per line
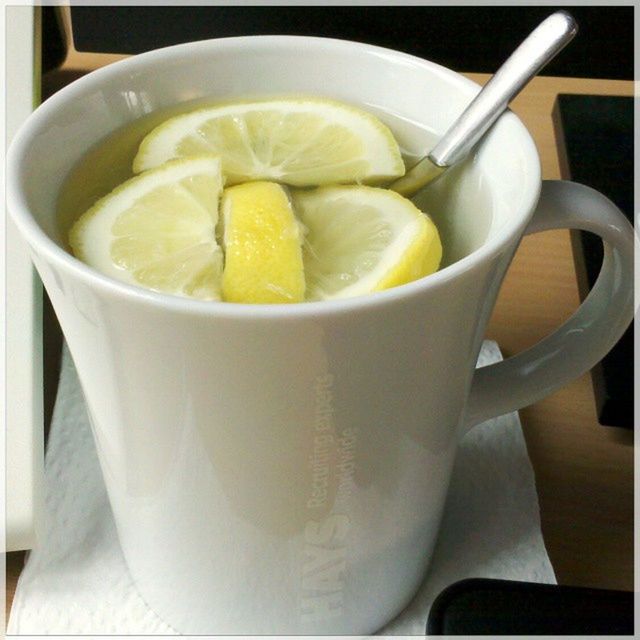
point(603, 49)
point(502, 607)
point(595, 143)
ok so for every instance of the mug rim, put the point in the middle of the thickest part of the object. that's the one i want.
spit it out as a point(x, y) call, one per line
point(36, 237)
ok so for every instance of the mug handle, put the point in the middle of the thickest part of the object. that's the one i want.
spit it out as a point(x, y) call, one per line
point(590, 332)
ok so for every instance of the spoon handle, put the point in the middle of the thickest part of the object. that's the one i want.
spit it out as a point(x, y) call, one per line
point(542, 44)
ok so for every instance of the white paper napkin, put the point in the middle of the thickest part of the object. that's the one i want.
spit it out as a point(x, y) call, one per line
point(76, 581)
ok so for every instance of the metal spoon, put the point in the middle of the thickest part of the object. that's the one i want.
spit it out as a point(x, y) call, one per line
point(542, 45)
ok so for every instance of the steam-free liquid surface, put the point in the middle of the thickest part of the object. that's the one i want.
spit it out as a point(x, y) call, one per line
point(459, 203)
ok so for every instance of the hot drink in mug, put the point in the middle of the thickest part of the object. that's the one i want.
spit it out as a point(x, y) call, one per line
point(267, 463)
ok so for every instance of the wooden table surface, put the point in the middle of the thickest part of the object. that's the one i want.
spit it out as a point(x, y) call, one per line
point(584, 472)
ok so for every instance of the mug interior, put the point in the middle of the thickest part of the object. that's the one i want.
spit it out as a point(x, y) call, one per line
point(487, 198)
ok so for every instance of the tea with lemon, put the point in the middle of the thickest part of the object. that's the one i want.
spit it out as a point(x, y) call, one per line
point(266, 201)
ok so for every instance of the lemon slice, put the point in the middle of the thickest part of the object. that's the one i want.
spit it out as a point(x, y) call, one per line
point(298, 141)
point(262, 245)
point(158, 230)
point(363, 239)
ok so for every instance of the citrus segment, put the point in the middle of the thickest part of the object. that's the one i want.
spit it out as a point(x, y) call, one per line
point(158, 230)
point(363, 239)
point(296, 141)
point(261, 239)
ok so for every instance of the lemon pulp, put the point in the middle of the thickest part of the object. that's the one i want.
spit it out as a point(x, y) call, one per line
point(363, 239)
point(302, 141)
point(158, 230)
point(261, 240)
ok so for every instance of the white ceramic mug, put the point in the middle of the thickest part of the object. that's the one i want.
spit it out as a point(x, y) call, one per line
point(270, 467)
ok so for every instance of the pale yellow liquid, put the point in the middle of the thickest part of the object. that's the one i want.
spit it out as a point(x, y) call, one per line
point(459, 203)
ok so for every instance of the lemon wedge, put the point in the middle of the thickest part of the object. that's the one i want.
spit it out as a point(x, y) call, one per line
point(262, 245)
point(363, 239)
point(157, 230)
point(297, 141)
